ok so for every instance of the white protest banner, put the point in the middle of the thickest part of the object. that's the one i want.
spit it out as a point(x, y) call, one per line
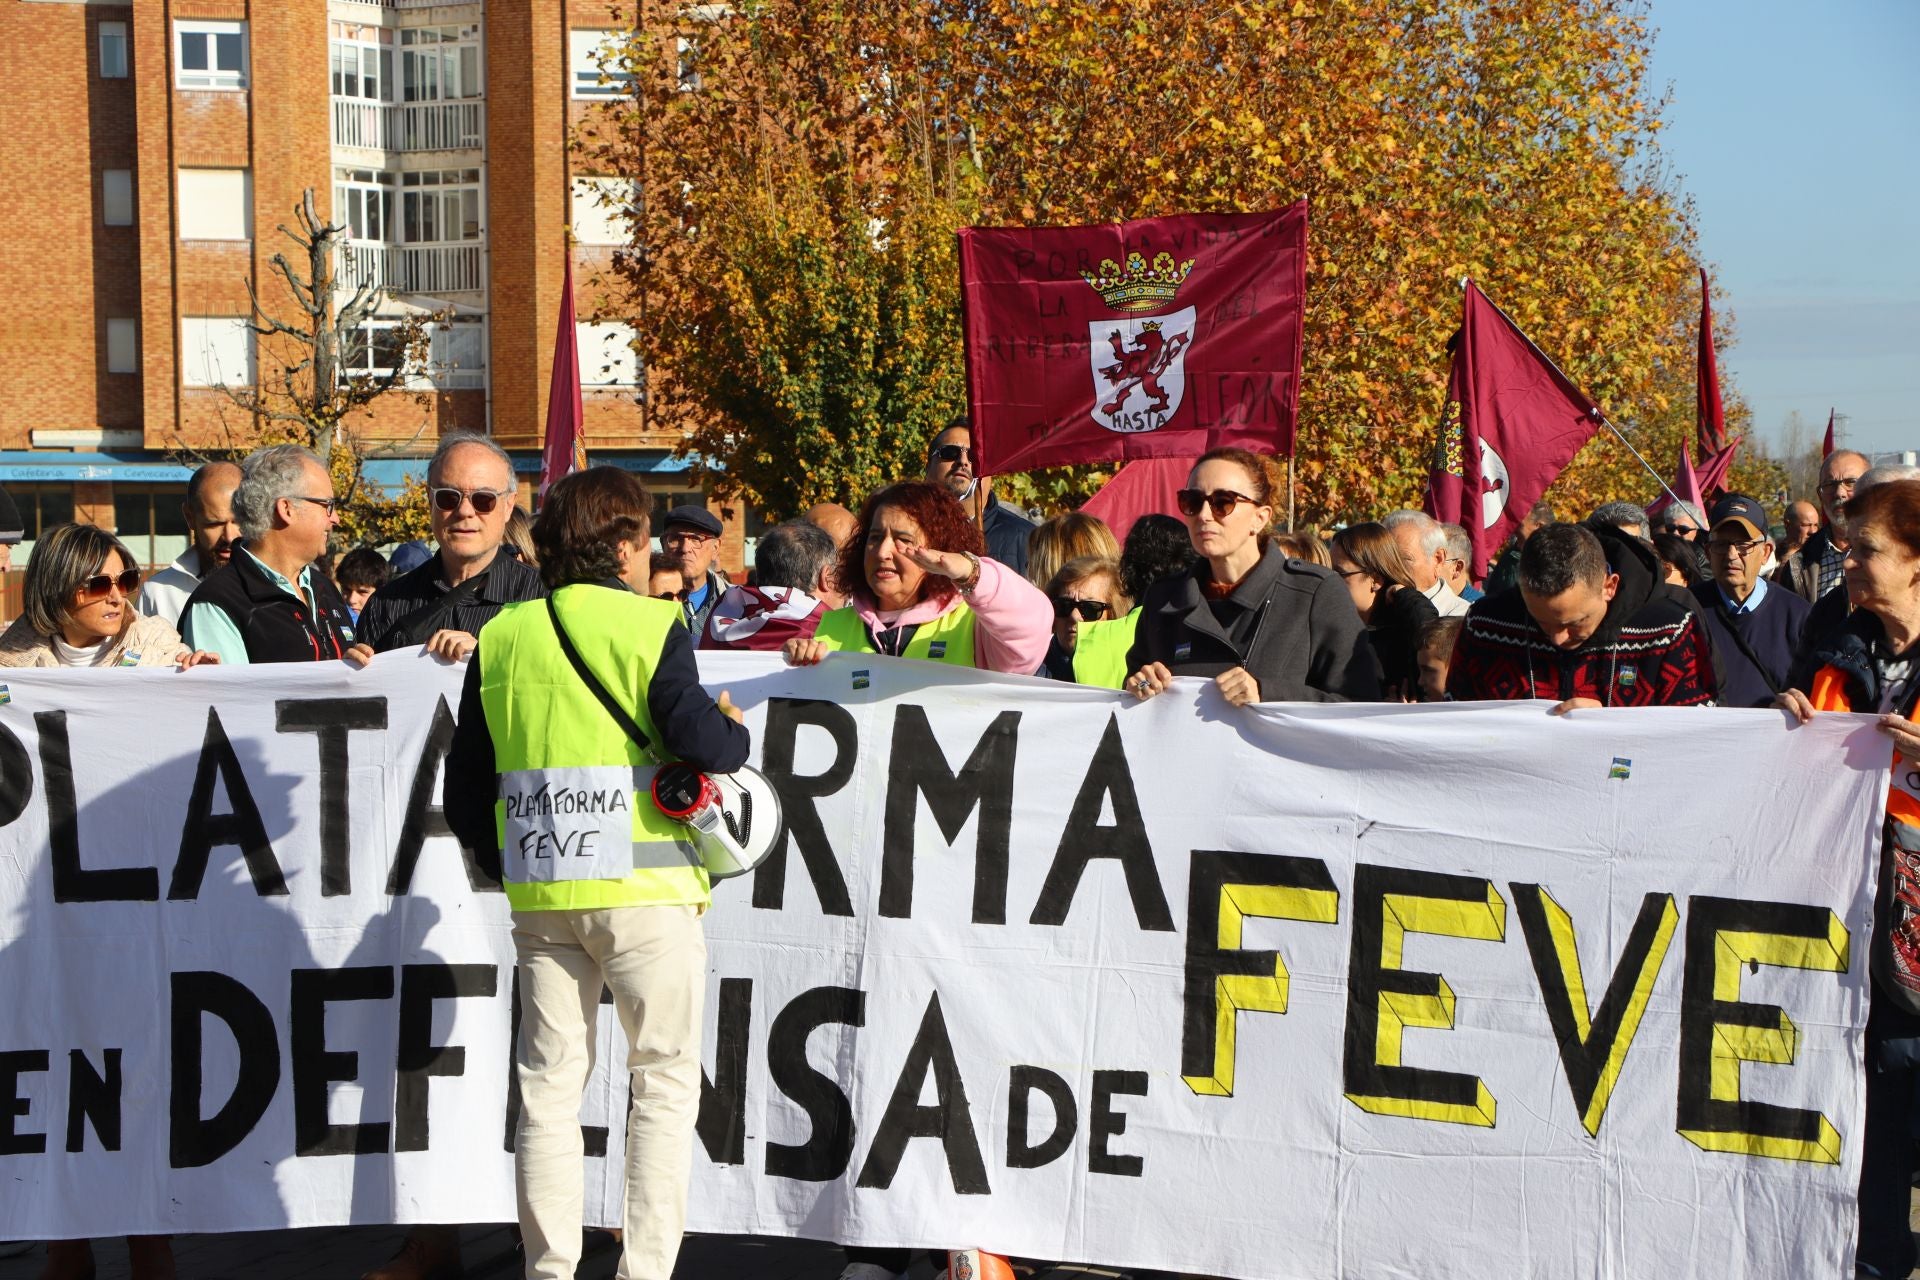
point(1301, 991)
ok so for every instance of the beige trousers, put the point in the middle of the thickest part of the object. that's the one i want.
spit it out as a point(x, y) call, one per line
point(654, 961)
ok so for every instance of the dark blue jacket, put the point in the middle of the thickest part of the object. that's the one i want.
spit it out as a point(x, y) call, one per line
point(1771, 633)
point(1006, 531)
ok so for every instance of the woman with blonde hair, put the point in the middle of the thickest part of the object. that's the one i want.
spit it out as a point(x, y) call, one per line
point(1380, 582)
point(1067, 537)
point(79, 594)
point(1304, 546)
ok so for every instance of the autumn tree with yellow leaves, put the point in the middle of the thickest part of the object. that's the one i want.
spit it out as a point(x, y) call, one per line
point(801, 200)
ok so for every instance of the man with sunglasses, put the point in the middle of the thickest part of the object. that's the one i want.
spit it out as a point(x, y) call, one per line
point(950, 464)
point(267, 604)
point(1754, 629)
point(444, 602)
point(690, 540)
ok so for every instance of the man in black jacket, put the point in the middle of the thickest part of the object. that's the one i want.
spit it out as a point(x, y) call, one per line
point(950, 464)
point(1755, 628)
point(443, 603)
point(267, 604)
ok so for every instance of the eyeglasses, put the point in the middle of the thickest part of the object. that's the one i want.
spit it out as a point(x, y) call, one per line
point(1836, 484)
point(1682, 530)
point(448, 499)
point(694, 536)
point(325, 504)
point(681, 595)
point(1089, 610)
point(950, 452)
point(101, 585)
point(1223, 501)
point(1352, 573)
point(1737, 548)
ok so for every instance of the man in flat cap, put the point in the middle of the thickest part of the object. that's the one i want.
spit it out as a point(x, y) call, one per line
point(690, 538)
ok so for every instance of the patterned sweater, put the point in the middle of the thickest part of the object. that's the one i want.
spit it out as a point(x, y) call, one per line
point(1651, 650)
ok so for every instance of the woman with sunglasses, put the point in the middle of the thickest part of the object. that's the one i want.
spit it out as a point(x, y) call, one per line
point(1085, 590)
point(80, 589)
point(1265, 627)
point(922, 589)
point(1380, 582)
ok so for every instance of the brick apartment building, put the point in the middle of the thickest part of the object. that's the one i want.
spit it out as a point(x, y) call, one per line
point(156, 147)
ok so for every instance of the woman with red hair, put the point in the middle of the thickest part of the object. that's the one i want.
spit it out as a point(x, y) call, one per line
point(922, 589)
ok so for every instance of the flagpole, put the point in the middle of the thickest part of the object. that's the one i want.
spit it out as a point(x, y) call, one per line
point(1643, 462)
point(1289, 493)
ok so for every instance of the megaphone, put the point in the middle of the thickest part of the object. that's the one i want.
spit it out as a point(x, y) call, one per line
point(735, 818)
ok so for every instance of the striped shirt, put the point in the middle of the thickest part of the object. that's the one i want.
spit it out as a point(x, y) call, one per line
point(408, 610)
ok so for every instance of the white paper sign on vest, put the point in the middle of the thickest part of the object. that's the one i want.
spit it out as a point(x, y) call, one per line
point(1297, 991)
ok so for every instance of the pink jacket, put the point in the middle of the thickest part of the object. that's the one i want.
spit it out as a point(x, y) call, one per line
point(1013, 619)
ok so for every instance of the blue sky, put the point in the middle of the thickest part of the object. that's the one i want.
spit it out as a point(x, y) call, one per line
point(1796, 129)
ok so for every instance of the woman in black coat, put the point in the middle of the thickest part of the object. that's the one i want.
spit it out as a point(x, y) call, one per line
point(1264, 627)
point(1368, 560)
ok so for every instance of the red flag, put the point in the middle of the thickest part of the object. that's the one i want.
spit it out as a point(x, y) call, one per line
point(1826, 446)
point(1512, 423)
point(1714, 469)
point(1153, 339)
point(1139, 489)
point(566, 443)
point(1710, 416)
point(1686, 486)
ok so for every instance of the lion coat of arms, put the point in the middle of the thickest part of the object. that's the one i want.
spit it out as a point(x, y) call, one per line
point(1139, 361)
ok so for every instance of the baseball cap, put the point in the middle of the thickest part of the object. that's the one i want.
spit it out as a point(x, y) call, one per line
point(1738, 508)
point(694, 518)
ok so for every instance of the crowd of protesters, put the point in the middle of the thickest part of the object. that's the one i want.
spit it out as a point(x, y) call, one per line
point(1618, 609)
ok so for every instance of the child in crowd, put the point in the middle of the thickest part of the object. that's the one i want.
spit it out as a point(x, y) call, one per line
point(360, 573)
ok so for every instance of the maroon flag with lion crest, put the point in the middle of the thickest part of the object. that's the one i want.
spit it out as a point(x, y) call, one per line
point(1159, 338)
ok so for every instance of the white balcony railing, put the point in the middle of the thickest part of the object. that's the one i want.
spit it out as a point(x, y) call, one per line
point(412, 268)
point(409, 126)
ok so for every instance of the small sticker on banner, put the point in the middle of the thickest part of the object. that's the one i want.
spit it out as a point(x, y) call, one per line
point(5, 696)
point(1622, 768)
point(568, 824)
point(860, 680)
point(1181, 652)
point(131, 658)
point(936, 648)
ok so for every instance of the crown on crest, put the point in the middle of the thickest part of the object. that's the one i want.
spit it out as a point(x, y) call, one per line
point(1139, 286)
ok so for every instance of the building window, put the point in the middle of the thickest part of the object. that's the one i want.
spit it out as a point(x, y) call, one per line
point(116, 197)
point(440, 206)
point(362, 65)
point(363, 198)
point(210, 55)
point(216, 351)
point(216, 204)
point(123, 346)
point(588, 51)
point(607, 357)
point(599, 209)
point(149, 519)
point(456, 353)
point(113, 51)
point(438, 63)
point(42, 506)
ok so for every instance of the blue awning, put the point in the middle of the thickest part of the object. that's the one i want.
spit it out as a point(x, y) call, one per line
point(391, 474)
point(29, 466)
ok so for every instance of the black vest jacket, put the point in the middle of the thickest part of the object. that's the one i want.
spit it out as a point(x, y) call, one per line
point(277, 627)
